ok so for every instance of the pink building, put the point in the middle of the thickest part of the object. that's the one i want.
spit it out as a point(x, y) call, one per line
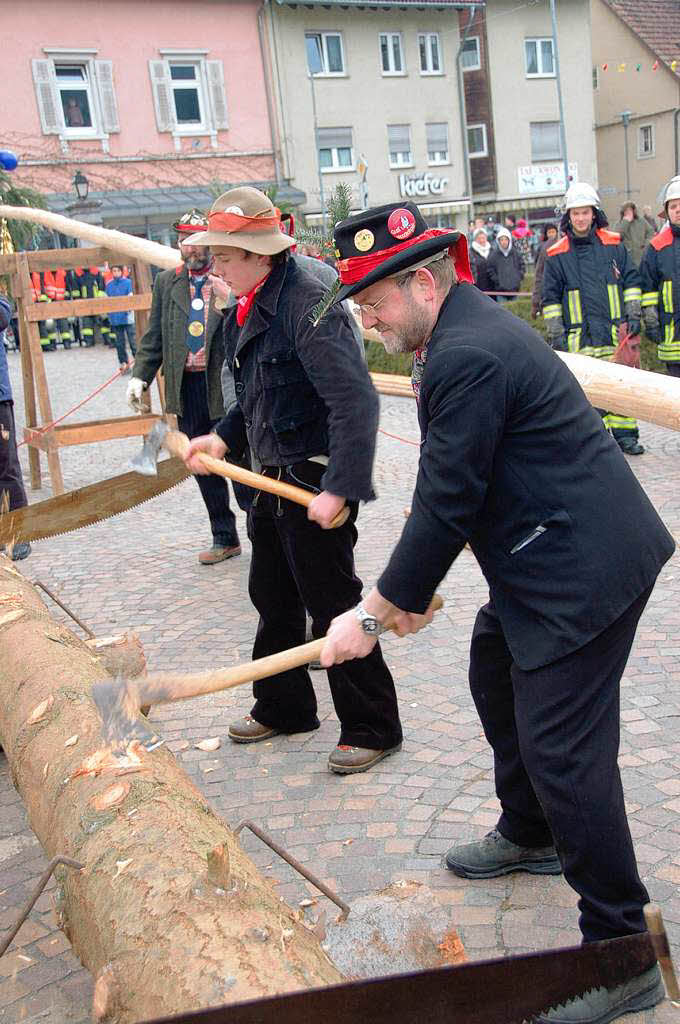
point(153, 102)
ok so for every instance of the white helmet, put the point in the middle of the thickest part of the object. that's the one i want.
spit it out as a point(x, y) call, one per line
point(672, 190)
point(581, 194)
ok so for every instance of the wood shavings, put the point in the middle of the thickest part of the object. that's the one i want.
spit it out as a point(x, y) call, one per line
point(105, 760)
point(40, 710)
point(72, 740)
point(115, 794)
point(182, 745)
point(347, 842)
point(307, 903)
point(214, 743)
point(4, 433)
point(121, 866)
point(11, 617)
point(46, 769)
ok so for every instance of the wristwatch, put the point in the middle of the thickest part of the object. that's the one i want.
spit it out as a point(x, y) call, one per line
point(368, 622)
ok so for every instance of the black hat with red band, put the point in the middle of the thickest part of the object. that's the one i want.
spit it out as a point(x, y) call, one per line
point(389, 240)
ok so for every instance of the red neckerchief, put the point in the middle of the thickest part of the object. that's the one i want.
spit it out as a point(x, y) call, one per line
point(245, 302)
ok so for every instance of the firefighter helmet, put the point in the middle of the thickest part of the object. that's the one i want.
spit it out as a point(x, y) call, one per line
point(672, 191)
point(580, 193)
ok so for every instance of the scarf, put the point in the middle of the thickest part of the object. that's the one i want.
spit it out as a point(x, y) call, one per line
point(483, 250)
point(244, 304)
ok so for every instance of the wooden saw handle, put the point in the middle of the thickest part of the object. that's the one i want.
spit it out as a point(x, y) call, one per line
point(177, 444)
point(161, 687)
point(657, 933)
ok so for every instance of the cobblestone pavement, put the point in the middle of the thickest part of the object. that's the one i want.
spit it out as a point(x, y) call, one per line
point(359, 833)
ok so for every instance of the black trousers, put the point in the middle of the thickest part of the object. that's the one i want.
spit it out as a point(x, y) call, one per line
point(673, 369)
point(11, 479)
point(555, 737)
point(296, 566)
point(195, 420)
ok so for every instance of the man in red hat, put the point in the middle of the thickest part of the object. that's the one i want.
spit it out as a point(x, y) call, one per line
point(501, 417)
point(185, 338)
point(306, 408)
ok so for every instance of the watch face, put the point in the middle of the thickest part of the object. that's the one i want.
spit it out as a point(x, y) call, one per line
point(370, 625)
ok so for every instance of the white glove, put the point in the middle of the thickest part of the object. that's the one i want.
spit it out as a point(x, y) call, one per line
point(135, 390)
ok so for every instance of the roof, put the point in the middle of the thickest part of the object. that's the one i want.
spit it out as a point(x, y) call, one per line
point(382, 4)
point(656, 22)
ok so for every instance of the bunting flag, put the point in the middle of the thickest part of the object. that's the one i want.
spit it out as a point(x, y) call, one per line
point(623, 66)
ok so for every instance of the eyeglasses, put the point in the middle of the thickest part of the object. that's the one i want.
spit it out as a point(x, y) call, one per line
point(370, 307)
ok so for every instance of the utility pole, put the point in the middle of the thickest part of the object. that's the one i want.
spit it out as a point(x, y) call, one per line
point(625, 118)
point(463, 114)
point(556, 58)
point(318, 153)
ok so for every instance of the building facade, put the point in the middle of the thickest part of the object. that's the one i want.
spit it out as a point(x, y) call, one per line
point(637, 99)
point(369, 96)
point(156, 104)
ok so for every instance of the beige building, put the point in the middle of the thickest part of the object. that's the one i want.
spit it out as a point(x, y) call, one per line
point(368, 95)
point(637, 99)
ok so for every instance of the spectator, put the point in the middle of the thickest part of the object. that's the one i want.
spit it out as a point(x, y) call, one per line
point(506, 267)
point(647, 214)
point(523, 236)
point(480, 251)
point(123, 323)
point(635, 232)
point(11, 480)
point(548, 238)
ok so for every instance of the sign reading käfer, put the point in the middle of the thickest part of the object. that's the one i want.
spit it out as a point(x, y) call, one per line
point(427, 184)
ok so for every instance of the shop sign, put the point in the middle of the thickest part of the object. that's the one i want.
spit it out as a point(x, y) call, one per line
point(535, 179)
point(412, 186)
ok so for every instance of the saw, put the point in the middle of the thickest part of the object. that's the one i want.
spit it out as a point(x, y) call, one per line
point(88, 505)
point(504, 991)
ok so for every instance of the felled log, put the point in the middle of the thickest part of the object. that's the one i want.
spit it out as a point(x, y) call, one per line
point(168, 914)
point(120, 654)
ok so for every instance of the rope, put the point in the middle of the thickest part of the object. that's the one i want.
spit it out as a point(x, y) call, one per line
point(395, 437)
point(50, 426)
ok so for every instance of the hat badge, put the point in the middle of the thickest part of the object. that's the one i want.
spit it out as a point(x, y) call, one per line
point(364, 240)
point(401, 224)
point(235, 209)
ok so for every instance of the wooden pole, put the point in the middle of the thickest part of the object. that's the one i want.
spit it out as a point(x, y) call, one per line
point(28, 377)
point(169, 914)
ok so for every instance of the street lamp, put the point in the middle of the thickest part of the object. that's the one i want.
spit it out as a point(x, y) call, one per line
point(81, 185)
point(625, 118)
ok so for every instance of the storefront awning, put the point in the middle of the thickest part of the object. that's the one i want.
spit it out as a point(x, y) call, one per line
point(550, 201)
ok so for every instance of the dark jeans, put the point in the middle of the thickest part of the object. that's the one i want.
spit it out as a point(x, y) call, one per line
point(296, 566)
point(555, 737)
point(673, 369)
point(10, 468)
point(122, 331)
point(194, 421)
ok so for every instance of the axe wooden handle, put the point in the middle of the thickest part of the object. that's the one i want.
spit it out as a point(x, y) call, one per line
point(177, 444)
point(657, 932)
point(163, 687)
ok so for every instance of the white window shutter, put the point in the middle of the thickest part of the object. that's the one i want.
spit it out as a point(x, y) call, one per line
point(107, 95)
point(47, 95)
point(218, 97)
point(162, 95)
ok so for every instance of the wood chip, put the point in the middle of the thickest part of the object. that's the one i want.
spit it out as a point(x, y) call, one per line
point(307, 903)
point(46, 768)
point(40, 710)
point(115, 794)
point(214, 743)
point(11, 616)
point(71, 741)
point(121, 866)
point(347, 842)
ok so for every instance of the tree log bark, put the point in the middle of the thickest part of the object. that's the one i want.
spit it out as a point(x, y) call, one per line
point(168, 914)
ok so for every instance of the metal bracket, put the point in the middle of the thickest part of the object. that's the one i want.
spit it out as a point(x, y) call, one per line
point(44, 879)
point(85, 629)
point(295, 864)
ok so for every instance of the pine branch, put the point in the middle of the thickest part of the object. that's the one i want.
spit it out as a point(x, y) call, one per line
point(325, 303)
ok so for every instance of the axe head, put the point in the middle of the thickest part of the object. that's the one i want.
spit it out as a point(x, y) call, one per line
point(117, 701)
point(145, 462)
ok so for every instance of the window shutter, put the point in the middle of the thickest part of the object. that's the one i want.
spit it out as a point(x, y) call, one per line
point(218, 98)
point(399, 137)
point(341, 138)
point(47, 95)
point(107, 96)
point(162, 95)
point(438, 137)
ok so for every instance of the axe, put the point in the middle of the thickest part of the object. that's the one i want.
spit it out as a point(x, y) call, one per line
point(161, 436)
point(119, 700)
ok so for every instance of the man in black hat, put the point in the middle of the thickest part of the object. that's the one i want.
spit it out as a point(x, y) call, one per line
point(568, 575)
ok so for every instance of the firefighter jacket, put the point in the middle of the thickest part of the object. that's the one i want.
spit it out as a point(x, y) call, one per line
point(660, 272)
point(587, 282)
point(38, 290)
point(55, 285)
point(86, 283)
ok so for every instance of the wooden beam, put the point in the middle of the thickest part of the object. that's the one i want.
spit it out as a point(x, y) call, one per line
point(103, 430)
point(67, 259)
point(30, 410)
point(86, 307)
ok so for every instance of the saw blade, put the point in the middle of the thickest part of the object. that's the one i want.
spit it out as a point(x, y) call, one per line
point(510, 990)
point(87, 505)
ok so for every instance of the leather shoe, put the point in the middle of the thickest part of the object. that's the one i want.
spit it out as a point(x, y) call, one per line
point(601, 1005)
point(346, 760)
point(247, 730)
point(18, 552)
point(217, 553)
point(631, 446)
point(495, 855)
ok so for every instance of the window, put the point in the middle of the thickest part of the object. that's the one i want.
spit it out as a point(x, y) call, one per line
point(335, 149)
point(540, 61)
point(470, 57)
point(75, 95)
point(437, 143)
point(399, 145)
point(476, 139)
point(189, 95)
point(324, 53)
point(430, 53)
point(391, 54)
point(645, 141)
point(545, 141)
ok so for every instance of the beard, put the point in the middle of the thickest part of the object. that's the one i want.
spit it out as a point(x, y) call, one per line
point(413, 333)
point(196, 262)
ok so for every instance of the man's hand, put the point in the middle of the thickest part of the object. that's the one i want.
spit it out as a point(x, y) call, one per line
point(211, 444)
point(135, 390)
point(324, 508)
point(221, 289)
point(346, 640)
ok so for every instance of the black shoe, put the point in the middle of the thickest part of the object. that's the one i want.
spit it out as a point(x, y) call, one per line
point(602, 1005)
point(19, 551)
point(631, 446)
point(495, 855)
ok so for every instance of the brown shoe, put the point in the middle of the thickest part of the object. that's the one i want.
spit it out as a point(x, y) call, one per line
point(218, 554)
point(346, 760)
point(247, 730)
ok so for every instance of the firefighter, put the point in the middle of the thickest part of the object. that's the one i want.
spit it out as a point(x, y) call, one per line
point(590, 288)
point(48, 342)
point(660, 272)
point(87, 283)
point(56, 290)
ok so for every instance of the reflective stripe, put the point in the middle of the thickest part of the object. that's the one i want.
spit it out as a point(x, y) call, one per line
point(650, 299)
point(550, 312)
point(574, 340)
point(631, 294)
point(598, 351)
point(575, 315)
point(667, 296)
point(615, 422)
point(615, 334)
point(614, 301)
